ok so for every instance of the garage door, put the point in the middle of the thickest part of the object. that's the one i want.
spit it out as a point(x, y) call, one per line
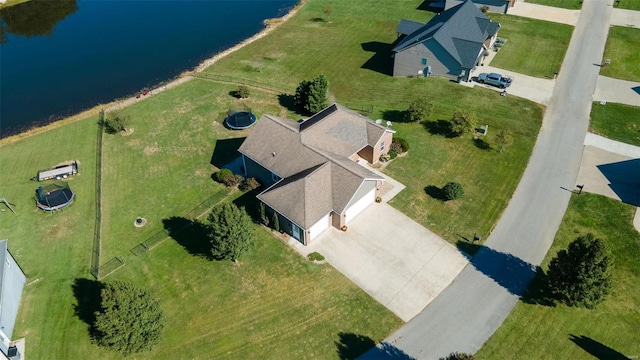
point(360, 205)
point(320, 226)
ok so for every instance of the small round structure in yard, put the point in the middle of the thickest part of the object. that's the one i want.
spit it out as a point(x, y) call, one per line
point(140, 222)
point(54, 196)
point(240, 120)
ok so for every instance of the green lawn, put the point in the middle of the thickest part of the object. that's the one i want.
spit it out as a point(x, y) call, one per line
point(567, 4)
point(627, 4)
point(617, 122)
point(544, 332)
point(623, 48)
point(275, 303)
point(551, 41)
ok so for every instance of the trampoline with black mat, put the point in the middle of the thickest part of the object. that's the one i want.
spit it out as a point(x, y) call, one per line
point(240, 120)
point(54, 196)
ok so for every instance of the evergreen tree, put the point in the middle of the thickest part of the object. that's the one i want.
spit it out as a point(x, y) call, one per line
point(311, 96)
point(276, 222)
point(581, 274)
point(230, 232)
point(130, 319)
point(452, 190)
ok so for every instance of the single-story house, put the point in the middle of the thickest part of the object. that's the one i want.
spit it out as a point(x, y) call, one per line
point(450, 45)
point(12, 281)
point(499, 6)
point(310, 168)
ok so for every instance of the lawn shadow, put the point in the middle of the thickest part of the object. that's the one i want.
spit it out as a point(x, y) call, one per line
point(225, 151)
point(538, 291)
point(439, 127)
point(88, 297)
point(287, 102)
point(381, 61)
point(398, 116)
point(596, 348)
point(250, 203)
point(350, 346)
point(481, 144)
point(435, 192)
point(510, 272)
point(317, 19)
point(192, 235)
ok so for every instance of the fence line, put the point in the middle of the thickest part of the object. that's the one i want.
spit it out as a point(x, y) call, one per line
point(193, 214)
point(240, 81)
point(109, 267)
point(95, 253)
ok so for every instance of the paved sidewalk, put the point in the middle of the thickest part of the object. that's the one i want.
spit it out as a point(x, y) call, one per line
point(618, 91)
point(547, 13)
point(612, 146)
point(624, 17)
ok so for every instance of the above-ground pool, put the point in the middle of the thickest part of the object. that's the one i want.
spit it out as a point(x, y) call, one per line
point(240, 120)
point(54, 197)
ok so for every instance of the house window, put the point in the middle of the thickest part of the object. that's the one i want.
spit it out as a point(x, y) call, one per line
point(424, 61)
point(382, 146)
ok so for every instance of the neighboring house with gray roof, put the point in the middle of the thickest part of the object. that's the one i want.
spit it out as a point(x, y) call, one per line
point(12, 281)
point(499, 6)
point(450, 45)
point(310, 169)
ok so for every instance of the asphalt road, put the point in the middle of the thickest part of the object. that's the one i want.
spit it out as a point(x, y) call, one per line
point(472, 308)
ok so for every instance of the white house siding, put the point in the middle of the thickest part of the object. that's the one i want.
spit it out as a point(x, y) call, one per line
point(319, 227)
point(365, 195)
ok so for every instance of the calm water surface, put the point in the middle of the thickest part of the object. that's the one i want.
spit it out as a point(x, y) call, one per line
point(60, 57)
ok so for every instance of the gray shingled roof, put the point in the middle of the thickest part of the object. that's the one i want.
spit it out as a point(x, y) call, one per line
point(312, 158)
point(12, 281)
point(407, 27)
point(461, 31)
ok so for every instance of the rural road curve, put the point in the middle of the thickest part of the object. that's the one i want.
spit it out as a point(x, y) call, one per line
point(472, 308)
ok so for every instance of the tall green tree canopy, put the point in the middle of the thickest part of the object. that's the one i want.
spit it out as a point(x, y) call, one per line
point(230, 232)
point(130, 319)
point(581, 274)
point(312, 95)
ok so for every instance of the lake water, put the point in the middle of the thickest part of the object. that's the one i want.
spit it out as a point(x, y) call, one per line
point(60, 57)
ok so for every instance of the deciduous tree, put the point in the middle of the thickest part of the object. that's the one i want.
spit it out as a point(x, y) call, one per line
point(463, 121)
point(504, 139)
point(419, 109)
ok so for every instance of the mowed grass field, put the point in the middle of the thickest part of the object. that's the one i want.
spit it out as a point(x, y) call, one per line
point(628, 4)
point(567, 4)
point(162, 169)
point(549, 39)
point(623, 48)
point(605, 332)
point(617, 122)
point(273, 304)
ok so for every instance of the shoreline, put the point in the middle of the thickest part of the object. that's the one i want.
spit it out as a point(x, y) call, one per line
point(270, 25)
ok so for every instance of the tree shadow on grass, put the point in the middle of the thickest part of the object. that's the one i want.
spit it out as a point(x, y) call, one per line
point(435, 192)
point(538, 291)
point(481, 144)
point(287, 101)
point(395, 116)
point(381, 61)
point(439, 127)
point(354, 346)
point(596, 348)
point(191, 234)
point(88, 296)
point(511, 272)
point(225, 151)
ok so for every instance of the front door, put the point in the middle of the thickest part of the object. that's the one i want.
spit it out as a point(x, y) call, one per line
point(295, 231)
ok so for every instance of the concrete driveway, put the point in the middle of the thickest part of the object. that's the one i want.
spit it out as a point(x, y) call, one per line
point(528, 87)
point(547, 13)
point(618, 91)
point(398, 262)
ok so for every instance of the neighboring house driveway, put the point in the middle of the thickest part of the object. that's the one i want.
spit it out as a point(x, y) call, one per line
point(394, 259)
point(619, 91)
point(547, 13)
point(528, 87)
point(624, 17)
point(610, 168)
